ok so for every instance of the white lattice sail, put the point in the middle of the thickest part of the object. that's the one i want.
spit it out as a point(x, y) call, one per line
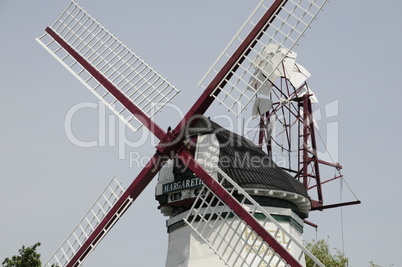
point(88, 224)
point(105, 59)
point(235, 242)
point(290, 22)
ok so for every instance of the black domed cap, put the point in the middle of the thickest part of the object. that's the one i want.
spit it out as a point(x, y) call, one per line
point(245, 163)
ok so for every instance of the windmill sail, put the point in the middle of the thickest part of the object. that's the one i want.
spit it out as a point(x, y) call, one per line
point(107, 67)
point(234, 240)
point(135, 92)
point(86, 227)
point(292, 18)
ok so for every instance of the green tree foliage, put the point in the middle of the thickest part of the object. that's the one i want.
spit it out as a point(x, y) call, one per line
point(28, 257)
point(322, 252)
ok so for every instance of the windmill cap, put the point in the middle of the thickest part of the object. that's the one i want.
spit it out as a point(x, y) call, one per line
point(251, 167)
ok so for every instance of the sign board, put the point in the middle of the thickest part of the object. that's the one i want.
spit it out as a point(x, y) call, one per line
point(181, 185)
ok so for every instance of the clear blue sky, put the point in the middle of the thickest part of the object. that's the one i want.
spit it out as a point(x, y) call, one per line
point(47, 183)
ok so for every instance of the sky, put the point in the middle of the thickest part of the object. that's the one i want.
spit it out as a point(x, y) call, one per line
point(48, 182)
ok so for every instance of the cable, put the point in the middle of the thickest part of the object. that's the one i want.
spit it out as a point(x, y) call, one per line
point(325, 146)
point(341, 200)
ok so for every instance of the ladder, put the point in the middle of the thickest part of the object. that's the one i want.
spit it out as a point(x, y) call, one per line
point(235, 242)
point(87, 225)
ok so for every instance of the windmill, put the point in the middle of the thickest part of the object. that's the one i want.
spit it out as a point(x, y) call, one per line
point(228, 214)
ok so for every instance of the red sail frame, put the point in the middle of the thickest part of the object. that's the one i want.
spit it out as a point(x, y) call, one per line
point(171, 143)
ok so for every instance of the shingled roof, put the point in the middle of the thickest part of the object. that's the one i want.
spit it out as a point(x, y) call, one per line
point(245, 163)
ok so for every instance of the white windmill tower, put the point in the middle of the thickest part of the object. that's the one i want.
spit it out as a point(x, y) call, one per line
point(248, 215)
